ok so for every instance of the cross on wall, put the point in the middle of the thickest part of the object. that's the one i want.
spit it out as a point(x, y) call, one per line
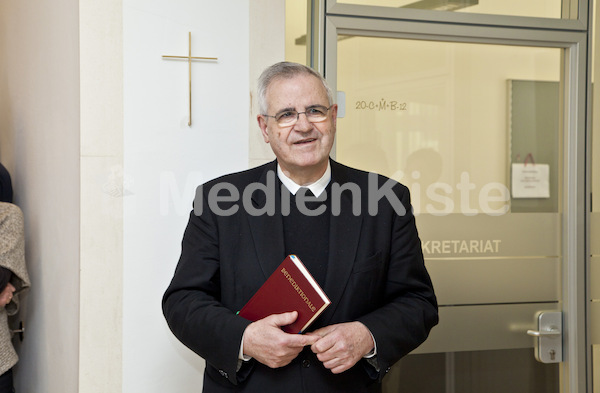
point(189, 58)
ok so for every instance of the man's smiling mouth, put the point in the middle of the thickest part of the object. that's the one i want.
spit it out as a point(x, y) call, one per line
point(304, 141)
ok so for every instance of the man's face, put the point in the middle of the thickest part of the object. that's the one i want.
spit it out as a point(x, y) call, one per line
point(302, 149)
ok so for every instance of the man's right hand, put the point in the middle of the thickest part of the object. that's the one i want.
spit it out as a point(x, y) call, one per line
point(267, 343)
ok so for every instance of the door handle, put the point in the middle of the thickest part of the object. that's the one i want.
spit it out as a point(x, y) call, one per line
point(20, 330)
point(548, 337)
point(553, 332)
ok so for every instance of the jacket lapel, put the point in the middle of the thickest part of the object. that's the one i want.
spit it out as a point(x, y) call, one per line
point(267, 230)
point(344, 234)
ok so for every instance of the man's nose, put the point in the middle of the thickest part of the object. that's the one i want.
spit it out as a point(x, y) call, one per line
point(302, 124)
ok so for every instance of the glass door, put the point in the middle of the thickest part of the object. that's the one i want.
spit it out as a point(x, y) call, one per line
point(487, 131)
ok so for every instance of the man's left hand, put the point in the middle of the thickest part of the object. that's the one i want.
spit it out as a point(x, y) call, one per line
point(7, 294)
point(342, 345)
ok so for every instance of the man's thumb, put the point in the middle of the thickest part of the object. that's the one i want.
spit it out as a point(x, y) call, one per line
point(285, 318)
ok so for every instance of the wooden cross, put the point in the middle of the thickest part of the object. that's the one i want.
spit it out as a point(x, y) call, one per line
point(189, 59)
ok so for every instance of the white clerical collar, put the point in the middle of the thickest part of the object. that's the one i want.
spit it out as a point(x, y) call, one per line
point(316, 188)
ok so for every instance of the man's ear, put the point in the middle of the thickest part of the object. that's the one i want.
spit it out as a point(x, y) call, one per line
point(262, 123)
point(333, 111)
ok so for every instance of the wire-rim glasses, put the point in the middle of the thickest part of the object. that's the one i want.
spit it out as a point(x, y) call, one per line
point(289, 117)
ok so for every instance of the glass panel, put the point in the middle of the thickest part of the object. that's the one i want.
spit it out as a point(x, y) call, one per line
point(595, 219)
point(534, 8)
point(515, 371)
point(468, 128)
point(296, 25)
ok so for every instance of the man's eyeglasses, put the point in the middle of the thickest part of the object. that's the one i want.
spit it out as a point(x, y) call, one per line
point(314, 114)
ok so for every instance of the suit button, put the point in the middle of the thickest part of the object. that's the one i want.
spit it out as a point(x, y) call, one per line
point(306, 363)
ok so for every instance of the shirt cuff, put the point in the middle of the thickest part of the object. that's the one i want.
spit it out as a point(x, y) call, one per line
point(241, 355)
point(373, 352)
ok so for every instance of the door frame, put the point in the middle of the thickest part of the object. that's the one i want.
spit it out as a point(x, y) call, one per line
point(571, 35)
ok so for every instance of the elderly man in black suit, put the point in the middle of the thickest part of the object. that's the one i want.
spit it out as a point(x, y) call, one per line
point(355, 233)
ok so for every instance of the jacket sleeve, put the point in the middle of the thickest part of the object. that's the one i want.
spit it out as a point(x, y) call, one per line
point(12, 251)
point(192, 302)
point(5, 276)
point(409, 308)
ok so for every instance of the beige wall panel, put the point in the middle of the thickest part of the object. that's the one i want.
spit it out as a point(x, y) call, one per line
point(40, 145)
point(101, 225)
point(481, 281)
point(477, 328)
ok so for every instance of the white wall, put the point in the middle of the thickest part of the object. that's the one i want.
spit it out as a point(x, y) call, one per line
point(267, 46)
point(39, 139)
point(164, 159)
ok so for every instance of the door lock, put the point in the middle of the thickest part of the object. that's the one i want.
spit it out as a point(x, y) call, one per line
point(548, 337)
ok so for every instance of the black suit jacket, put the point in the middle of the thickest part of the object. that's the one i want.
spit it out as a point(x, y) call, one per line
point(375, 275)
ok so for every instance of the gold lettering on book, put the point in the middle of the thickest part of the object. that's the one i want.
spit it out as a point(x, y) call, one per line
point(295, 285)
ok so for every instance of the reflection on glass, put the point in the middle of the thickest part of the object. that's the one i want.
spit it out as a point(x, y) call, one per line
point(532, 8)
point(446, 119)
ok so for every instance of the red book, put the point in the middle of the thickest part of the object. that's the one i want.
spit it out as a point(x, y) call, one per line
point(289, 288)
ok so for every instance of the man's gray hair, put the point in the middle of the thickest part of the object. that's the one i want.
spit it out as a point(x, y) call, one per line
point(286, 70)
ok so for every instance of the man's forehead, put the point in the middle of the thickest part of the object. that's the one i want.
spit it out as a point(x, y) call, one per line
point(304, 79)
point(281, 90)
